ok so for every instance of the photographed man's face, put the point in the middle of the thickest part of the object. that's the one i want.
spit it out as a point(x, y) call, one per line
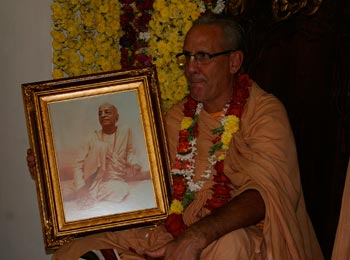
point(107, 115)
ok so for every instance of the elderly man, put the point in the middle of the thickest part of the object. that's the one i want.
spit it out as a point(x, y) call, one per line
point(236, 185)
point(106, 160)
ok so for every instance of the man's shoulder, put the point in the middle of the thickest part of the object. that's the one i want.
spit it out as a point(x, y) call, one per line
point(261, 102)
point(261, 95)
point(176, 109)
point(123, 128)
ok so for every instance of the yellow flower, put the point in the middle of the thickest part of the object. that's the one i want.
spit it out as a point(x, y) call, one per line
point(57, 45)
point(180, 92)
point(231, 124)
point(57, 73)
point(88, 19)
point(103, 48)
point(101, 27)
point(186, 122)
point(161, 77)
point(103, 64)
point(58, 36)
point(221, 157)
point(159, 5)
point(226, 138)
point(74, 69)
point(89, 58)
point(73, 57)
point(104, 8)
point(88, 48)
point(59, 59)
point(114, 25)
point(72, 44)
point(176, 207)
point(72, 28)
point(95, 3)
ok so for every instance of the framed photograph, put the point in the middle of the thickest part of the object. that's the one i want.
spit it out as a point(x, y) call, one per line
point(101, 153)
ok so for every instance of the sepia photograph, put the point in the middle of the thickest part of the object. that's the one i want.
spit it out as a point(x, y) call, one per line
point(102, 155)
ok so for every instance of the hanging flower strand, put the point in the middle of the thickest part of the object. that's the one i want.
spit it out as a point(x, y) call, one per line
point(134, 21)
point(85, 37)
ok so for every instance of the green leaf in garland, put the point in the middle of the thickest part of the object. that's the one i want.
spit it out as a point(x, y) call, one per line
point(188, 198)
point(191, 128)
point(215, 148)
point(218, 130)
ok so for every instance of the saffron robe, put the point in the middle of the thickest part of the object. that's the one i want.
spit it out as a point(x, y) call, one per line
point(261, 156)
point(341, 248)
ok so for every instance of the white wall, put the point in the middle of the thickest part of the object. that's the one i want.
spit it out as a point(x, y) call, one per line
point(25, 56)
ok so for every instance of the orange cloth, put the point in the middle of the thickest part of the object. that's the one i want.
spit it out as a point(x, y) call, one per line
point(262, 156)
point(341, 249)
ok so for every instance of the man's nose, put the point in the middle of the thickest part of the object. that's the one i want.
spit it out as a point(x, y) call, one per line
point(192, 64)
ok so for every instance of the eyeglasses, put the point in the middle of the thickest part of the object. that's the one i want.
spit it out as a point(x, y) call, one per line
point(200, 57)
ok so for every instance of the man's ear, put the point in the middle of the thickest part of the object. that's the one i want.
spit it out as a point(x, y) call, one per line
point(236, 60)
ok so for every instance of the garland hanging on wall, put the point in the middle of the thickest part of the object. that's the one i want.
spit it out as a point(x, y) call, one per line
point(92, 36)
point(85, 36)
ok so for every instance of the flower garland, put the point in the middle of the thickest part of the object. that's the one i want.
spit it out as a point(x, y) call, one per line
point(134, 21)
point(85, 36)
point(184, 186)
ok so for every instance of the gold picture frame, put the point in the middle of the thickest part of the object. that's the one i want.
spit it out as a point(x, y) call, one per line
point(59, 115)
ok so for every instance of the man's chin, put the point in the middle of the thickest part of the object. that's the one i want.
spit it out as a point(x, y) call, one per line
point(197, 94)
point(196, 98)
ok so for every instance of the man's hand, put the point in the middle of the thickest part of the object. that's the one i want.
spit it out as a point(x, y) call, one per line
point(31, 163)
point(187, 246)
point(246, 209)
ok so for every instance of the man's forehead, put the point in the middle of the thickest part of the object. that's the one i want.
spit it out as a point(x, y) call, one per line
point(105, 107)
point(203, 38)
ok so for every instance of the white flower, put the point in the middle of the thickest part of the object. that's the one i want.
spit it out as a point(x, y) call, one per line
point(195, 186)
point(220, 6)
point(212, 159)
point(201, 7)
point(199, 108)
point(144, 36)
point(207, 174)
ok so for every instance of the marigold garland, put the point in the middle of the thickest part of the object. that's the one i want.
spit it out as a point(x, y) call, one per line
point(184, 186)
point(134, 21)
point(85, 36)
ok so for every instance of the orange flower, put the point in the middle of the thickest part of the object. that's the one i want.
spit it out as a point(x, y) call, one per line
point(190, 107)
point(220, 177)
point(183, 135)
point(174, 224)
point(221, 189)
point(219, 166)
point(179, 187)
point(184, 147)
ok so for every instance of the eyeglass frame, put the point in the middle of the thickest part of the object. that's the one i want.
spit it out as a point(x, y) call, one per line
point(210, 56)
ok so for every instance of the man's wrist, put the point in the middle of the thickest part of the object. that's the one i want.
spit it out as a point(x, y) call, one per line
point(196, 236)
